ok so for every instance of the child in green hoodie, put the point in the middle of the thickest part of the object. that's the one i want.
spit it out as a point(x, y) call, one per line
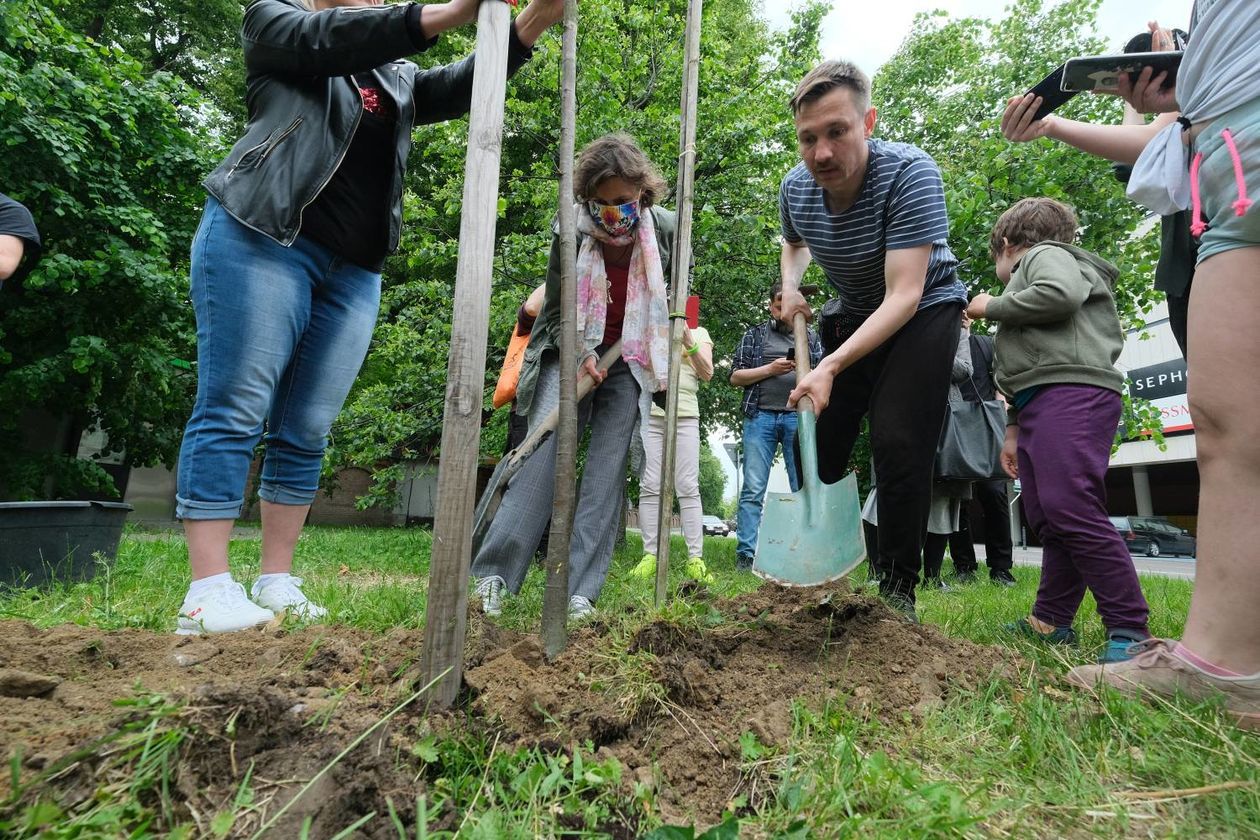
point(1055, 351)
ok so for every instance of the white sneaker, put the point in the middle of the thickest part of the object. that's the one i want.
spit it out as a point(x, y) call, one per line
point(222, 608)
point(580, 608)
point(490, 591)
point(285, 595)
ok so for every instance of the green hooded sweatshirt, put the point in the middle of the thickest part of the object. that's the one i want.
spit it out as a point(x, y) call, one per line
point(1057, 322)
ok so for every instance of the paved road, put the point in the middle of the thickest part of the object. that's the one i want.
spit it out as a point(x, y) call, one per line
point(1175, 567)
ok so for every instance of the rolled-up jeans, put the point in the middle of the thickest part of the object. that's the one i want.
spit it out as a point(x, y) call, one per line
point(281, 335)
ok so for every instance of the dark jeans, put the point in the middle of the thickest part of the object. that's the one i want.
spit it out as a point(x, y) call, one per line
point(904, 385)
point(995, 505)
point(934, 555)
point(1065, 437)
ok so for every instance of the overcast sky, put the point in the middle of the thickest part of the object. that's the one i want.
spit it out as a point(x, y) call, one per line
point(869, 31)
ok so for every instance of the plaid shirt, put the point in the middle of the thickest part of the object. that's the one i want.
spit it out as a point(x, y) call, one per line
point(749, 355)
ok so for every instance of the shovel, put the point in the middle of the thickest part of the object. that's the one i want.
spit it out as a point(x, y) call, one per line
point(812, 536)
point(511, 463)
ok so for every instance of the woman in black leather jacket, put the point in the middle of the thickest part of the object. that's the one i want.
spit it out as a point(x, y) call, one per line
point(285, 272)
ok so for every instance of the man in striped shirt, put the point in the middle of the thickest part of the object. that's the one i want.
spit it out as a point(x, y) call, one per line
point(872, 215)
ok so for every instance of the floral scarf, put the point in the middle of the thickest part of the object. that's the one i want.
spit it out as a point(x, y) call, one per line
point(645, 329)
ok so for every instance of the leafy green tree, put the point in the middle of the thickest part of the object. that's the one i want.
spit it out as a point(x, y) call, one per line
point(712, 480)
point(101, 152)
point(196, 40)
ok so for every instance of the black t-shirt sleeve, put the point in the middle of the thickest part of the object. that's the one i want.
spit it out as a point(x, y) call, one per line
point(16, 220)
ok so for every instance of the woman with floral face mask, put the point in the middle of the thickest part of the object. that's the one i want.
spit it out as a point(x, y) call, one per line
point(624, 248)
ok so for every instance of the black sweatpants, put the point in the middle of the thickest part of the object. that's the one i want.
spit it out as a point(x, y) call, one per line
point(904, 386)
point(995, 505)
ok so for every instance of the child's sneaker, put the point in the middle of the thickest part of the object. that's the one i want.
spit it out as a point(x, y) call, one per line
point(1120, 646)
point(221, 608)
point(490, 590)
point(645, 569)
point(1057, 636)
point(697, 571)
point(284, 594)
point(1156, 667)
point(580, 608)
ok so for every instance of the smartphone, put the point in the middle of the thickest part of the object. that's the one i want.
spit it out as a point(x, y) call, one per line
point(1102, 72)
point(791, 354)
point(1052, 94)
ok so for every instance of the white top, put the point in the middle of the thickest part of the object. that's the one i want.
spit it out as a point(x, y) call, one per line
point(1219, 72)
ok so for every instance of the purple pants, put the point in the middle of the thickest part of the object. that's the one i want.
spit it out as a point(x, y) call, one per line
point(1065, 437)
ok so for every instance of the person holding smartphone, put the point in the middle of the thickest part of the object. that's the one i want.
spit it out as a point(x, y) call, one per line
point(765, 367)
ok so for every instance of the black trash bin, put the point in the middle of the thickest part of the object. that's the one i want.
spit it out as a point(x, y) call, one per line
point(42, 542)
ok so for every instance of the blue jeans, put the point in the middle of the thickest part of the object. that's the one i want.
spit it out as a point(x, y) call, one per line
point(762, 435)
point(281, 335)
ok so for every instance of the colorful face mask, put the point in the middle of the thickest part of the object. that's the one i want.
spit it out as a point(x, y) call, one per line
point(616, 219)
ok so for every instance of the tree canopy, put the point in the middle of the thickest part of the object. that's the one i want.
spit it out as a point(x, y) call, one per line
point(104, 155)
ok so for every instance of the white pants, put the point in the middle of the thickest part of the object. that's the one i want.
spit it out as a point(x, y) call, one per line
point(686, 484)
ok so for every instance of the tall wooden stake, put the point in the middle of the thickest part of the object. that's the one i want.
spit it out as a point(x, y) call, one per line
point(556, 595)
point(446, 618)
point(679, 290)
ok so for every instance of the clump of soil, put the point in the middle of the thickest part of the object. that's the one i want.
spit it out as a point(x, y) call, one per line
point(670, 702)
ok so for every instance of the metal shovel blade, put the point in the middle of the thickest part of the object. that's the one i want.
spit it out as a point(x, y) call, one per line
point(812, 536)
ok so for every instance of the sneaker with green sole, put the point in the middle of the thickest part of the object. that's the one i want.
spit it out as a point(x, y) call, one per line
point(645, 569)
point(697, 571)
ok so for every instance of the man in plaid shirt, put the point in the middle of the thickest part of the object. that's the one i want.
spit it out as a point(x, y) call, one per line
point(764, 369)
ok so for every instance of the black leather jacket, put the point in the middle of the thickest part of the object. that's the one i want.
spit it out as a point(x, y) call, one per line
point(304, 106)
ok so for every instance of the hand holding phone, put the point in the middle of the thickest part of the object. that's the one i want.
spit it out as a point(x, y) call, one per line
point(1102, 73)
point(1052, 94)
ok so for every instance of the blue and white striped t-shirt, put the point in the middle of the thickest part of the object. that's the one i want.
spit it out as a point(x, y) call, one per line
point(902, 205)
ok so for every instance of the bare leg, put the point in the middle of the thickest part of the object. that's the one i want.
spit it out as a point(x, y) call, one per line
point(1225, 402)
point(282, 525)
point(208, 545)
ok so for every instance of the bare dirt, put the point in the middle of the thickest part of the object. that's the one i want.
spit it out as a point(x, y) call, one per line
point(672, 711)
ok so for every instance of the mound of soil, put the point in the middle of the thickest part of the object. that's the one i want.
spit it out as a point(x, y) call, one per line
point(773, 647)
point(670, 705)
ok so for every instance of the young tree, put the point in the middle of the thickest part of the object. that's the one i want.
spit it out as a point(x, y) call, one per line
point(101, 152)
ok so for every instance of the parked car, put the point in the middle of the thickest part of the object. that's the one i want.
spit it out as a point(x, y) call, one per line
point(715, 527)
point(1154, 536)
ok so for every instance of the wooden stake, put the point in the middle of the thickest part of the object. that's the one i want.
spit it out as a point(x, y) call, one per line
point(680, 275)
point(556, 595)
point(447, 613)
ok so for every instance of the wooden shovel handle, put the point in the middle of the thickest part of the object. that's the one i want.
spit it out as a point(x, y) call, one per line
point(548, 425)
point(800, 335)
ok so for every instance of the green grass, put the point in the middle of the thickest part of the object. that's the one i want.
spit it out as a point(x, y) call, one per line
point(1015, 758)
